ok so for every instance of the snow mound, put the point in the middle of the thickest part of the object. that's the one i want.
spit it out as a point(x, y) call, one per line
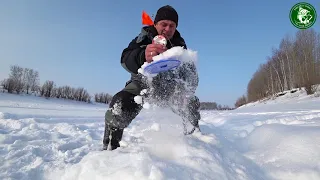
point(287, 151)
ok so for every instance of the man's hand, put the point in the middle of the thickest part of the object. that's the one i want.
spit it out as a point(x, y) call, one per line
point(153, 50)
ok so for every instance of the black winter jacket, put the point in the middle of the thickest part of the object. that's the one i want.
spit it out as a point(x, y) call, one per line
point(133, 57)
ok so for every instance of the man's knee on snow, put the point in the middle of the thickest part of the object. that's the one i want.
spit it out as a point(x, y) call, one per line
point(122, 110)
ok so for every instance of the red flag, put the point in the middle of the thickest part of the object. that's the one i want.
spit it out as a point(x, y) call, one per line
point(146, 19)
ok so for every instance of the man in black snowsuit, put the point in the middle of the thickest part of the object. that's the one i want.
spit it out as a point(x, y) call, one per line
point(123, 108)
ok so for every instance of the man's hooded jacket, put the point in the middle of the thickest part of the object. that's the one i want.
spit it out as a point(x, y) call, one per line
point(133, 57)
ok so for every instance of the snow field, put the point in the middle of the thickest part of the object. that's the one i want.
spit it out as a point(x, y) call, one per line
point(58, 139)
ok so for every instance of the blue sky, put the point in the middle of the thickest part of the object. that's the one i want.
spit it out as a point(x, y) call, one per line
point(79, 43)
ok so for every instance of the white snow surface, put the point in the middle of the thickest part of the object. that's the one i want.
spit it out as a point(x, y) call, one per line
point(59, 139)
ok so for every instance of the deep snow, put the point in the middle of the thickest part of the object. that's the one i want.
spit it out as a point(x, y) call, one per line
point(59, 139)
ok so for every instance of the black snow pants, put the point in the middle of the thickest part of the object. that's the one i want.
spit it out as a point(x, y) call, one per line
point(123, 109)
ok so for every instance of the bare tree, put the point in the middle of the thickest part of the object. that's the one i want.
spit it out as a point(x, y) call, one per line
point(270, 82)
point(306, 45)
point(47, 89)
point(81, 94)
point(35, 82)
point(258, 85)
point(28, 79)
point(241, 101)
point(286, 47)
point(276, 65)
point(8, 84)
point(96, 97)
point(16, 75)
point(102, 98)
point(108, 98)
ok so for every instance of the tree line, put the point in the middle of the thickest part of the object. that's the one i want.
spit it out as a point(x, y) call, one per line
point(26, 80)
point(213, 106)
point(294, 64)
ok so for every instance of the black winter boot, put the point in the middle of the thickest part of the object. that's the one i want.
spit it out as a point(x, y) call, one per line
point(106, 137)
point(116, 136)
point(112, 137)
